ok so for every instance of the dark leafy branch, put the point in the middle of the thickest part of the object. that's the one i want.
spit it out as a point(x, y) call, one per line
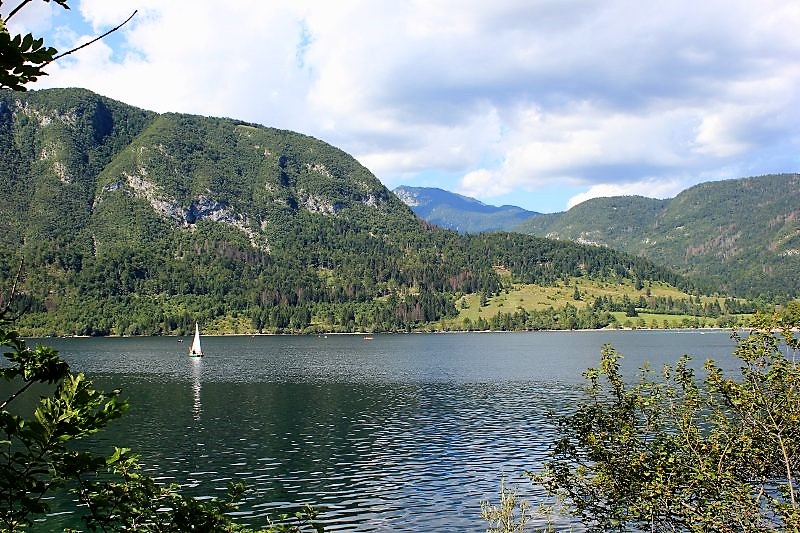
point(23, 58)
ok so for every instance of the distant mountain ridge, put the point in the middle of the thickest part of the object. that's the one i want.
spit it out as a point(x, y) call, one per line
point(460, 213)
point(135, 222)
point(741, 234)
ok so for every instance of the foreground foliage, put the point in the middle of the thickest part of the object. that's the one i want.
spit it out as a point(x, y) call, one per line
point(41, 454)
point(675, 453)
point(23, 58)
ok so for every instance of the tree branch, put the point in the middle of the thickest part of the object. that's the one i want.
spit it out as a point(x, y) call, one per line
point(7, 306)
point(109, 32)
point(16, 9)
point(14, 395)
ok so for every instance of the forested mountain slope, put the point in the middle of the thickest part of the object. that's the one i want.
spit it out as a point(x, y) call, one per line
point(742, 235)
point(460, 213)
point(132, 222)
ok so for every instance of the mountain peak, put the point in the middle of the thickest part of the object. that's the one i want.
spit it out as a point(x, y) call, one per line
point(458, 212)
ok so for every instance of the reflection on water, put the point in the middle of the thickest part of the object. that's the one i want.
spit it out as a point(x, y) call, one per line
point(197, 385)
point(403, 433)
point(375, 457)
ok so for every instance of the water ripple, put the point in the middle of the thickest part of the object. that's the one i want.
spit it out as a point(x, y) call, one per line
point(403, 433)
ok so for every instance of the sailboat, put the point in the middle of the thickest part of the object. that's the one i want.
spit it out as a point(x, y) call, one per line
point(196, 350)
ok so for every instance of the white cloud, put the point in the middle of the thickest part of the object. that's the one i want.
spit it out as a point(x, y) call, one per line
point(102, 14)
point(34, 18)
point(510, 94)
point(650, 188)
point(483, 183)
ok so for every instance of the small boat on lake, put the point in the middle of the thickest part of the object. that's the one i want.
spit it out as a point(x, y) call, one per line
point(196, 350)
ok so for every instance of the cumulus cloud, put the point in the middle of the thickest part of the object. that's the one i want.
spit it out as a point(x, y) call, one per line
point(509, 95)
point(482, 183)
point(650, 188)
point(34, 18)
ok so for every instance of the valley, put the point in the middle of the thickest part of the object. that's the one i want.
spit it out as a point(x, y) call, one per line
point(129, 222)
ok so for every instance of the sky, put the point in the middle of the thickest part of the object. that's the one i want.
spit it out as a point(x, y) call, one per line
point(536, 103)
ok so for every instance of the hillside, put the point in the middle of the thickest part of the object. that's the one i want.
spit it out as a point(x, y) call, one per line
point(741, 235)
point(132, 222)
point(460, 213)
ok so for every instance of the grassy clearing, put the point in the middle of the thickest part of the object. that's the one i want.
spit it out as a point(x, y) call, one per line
point(537, 298)
point(230, 325)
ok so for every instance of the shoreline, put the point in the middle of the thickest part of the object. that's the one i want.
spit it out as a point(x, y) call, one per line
point(371, 334)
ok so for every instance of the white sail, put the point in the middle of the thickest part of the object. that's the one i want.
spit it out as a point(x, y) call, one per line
point(196, 350)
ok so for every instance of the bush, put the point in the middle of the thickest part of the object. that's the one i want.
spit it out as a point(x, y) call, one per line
point(676, 453)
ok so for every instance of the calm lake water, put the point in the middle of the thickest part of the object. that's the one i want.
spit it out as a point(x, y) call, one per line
point(397, 433)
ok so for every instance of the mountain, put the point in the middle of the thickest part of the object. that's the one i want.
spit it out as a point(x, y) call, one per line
point(742, 235)
point(460, 213)
point(133, 222)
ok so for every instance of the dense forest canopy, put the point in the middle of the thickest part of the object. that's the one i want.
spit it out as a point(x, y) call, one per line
point(741, 235)
point(132, 222)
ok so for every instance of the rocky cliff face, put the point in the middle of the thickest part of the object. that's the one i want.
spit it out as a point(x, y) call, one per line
point(96, 163)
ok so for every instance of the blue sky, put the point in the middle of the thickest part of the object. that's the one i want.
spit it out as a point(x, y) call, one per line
point(536, 103)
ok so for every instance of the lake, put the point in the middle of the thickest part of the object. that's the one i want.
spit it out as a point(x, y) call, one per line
point(394, 433)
